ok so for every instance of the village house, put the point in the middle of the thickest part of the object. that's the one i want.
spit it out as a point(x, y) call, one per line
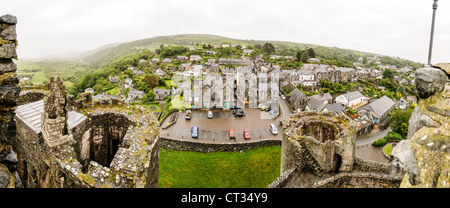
point(184, 67)
point(401, 104)
point(298, 100)
point(133, 95)
point(138, 72)
point(143, 62)
point(160, 73)
point(335, 107)
point(306, 77)
point(247, 52)
point(352, 99)
point(377, 111)
point(181, 58)
point(166, 61)
point(316, 104)
point(275, 57)
point(89, 90)
point(209, 52)
point(113, 79)
point(346, 74)
point(128, 83)
point(313, 60)
point(195, 58)
point(161, 94)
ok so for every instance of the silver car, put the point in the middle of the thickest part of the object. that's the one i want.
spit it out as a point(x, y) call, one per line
point(210, 114)
point(273, 129)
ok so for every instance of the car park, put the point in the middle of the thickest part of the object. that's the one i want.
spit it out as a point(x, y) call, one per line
point(246, 134)
point(273, 129)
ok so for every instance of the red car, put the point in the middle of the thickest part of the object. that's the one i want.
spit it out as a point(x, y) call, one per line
point(231, 133)
point(246, 134)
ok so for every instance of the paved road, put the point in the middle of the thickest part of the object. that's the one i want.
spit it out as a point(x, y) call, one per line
point(285, 110)
point(370, 138)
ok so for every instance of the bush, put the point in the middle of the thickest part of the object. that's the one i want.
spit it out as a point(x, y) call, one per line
point(380, 142)
point(393, 135)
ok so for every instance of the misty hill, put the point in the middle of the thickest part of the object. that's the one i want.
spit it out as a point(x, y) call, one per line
point(111, 52)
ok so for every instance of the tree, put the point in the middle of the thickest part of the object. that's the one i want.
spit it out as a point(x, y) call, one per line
point(268, 48)
point(151, 81)
point(304, 56)
point(387, 73)
point(149, 97)
point(311, 53)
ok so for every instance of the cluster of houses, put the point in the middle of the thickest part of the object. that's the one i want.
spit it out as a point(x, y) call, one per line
point(368, 113)
point(312, 74)
point(227, 83)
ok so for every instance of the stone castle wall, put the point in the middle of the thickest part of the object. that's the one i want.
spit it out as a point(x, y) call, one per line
point(9, 91)
point(318, 151)
point(206, 147)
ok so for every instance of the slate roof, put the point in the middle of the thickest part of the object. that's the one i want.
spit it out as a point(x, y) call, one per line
point(336, 107)
point(380, 106)
point(30, 114)
point(350, 96)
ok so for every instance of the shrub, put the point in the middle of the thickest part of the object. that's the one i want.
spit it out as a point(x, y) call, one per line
point(380, 142)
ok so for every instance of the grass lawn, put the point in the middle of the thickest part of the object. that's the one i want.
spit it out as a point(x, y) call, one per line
point(147, 106)
point(388, 149)
point(255, 168)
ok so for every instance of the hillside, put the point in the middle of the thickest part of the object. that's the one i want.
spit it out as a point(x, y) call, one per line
point(109, 53)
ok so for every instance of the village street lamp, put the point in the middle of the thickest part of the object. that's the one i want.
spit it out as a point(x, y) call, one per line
point(432, 32)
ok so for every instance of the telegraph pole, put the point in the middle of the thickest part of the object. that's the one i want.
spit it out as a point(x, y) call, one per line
point(432, 32)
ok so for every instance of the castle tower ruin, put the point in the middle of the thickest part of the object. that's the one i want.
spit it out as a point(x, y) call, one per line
point(54, 125)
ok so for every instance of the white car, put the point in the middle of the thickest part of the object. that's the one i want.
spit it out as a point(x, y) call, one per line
point(273, 129)
point(210, 114)
point(282, 97)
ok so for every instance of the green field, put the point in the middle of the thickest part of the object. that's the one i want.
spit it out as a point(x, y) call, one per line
point(255, 168)
point(40, 71)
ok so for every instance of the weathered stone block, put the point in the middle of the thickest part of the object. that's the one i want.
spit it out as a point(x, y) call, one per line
point(8, 19)
point(430, 80)
point(8, 51)
point(7, 66)
point(9, 33)
point(9, 92)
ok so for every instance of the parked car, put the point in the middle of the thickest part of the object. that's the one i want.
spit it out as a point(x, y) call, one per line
point(210, 114)
point(283, 97)
point(188, 115)
point(263, 107)
point(195, 131)
point(231, 134)
point(239, 113)
point(268, 109)
point(273, 129)
point(246, 134)
point(260, 105)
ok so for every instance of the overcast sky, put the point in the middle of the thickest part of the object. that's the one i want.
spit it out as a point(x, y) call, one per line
point(399, 28)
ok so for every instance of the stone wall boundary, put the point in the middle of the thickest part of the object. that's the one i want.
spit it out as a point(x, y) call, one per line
point(206, 147)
